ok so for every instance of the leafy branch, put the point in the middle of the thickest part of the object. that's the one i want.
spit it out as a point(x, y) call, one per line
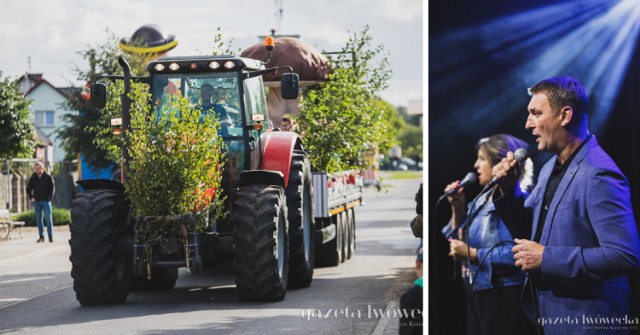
point(341, 119)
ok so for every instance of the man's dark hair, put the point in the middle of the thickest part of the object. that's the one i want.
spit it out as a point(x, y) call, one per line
point(564, 91)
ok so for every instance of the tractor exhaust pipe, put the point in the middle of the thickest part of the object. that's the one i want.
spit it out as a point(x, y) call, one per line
point(126, 114)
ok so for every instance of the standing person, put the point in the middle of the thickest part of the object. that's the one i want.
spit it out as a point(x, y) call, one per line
point(584, 239)
point(493, 296)
point(286, 124)
point(411, 299)
point(40, 188)
point(411, 320)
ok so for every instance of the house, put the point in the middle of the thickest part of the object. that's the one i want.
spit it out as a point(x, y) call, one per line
point(47, 110)
point(415, 109)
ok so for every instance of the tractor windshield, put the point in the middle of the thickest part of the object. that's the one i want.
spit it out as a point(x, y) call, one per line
point(212, 92)
point(217, 93)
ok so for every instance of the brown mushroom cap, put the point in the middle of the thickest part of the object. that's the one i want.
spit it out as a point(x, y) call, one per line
point(306, 61)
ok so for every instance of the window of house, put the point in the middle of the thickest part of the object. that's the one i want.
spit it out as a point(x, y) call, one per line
point(44, 118)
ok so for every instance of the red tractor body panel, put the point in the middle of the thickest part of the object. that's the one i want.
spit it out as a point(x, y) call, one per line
point(278, 150)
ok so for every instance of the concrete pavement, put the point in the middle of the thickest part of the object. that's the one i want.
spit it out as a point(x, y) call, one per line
point(29, 269)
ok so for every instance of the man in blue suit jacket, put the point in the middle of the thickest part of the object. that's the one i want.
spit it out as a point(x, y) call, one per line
point(584, 239)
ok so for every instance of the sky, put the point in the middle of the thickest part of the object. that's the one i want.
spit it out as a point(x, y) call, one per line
point(51, 33)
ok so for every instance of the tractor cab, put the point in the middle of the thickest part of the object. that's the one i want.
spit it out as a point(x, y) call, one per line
point(221, 85)
point(215, 84)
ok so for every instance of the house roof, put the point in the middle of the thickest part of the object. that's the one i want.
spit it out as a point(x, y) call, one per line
point(35, 77)
point(34, 80)
point(45, 82)
point(28, 80)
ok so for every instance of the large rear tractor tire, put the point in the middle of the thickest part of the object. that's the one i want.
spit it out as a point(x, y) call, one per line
point(261, 243)
point(100, 275)
point(299, 194)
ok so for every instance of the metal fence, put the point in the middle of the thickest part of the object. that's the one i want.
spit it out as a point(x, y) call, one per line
point(65, 178)
point(15, 174)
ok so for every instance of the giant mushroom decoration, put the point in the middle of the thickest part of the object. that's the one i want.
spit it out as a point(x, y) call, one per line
point(312, 67)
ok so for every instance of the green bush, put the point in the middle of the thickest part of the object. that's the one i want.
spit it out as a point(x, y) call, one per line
point(61, 216)
point(343, 114)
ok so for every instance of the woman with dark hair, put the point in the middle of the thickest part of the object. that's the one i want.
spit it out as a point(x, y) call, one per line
point(482, 243)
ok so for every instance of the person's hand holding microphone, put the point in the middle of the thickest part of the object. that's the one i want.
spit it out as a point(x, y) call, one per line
point(507, 172)
point(455, 196)
point(527, 254)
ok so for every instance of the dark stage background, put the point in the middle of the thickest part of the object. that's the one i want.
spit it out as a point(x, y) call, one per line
point(483, 55)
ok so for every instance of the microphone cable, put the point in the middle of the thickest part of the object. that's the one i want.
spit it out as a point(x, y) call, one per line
point(485, 256)
point(467, 226)
point(534, 298)
point(463, 226)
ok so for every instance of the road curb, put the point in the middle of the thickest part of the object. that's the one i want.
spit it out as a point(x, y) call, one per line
point(383, 322)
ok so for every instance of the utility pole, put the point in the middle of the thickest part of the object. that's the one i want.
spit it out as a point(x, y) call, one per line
point(277, 31)
point(278, 14)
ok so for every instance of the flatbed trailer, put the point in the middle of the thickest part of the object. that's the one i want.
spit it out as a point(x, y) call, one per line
point(335, 197)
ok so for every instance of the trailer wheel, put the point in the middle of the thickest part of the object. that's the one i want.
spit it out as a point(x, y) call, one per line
point(161, 279)
point(330, 253)
point(261, 243)
point(345, 236)
point(100, 275)
point(301, 227)
point(351, 228)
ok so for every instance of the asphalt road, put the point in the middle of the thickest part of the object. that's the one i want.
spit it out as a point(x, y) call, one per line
point(357, 297)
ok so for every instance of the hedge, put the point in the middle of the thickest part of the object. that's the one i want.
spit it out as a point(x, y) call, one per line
point(61, 216)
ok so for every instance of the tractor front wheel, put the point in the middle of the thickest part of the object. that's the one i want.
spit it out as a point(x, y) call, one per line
point(100, 274)
point(261, 243)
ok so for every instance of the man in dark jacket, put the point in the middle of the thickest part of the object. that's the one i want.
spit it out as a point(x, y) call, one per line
point(576, 235)
point(40, 189)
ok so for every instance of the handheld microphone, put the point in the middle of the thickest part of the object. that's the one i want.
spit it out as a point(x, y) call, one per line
point(469, 179)
point(520, 156)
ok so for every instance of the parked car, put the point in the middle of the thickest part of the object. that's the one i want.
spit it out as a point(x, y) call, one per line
point(399, 164)
point(411, 164)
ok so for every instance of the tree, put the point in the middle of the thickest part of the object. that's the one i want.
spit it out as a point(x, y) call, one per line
point(341, 120)
point(220, 47)
point(392, 116)
point(411, 141)
point(410, 137)
point(16, 129)
point(88, 132)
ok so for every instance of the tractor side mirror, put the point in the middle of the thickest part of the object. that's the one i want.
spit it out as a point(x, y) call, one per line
point(98, 95)
point(290, 85)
